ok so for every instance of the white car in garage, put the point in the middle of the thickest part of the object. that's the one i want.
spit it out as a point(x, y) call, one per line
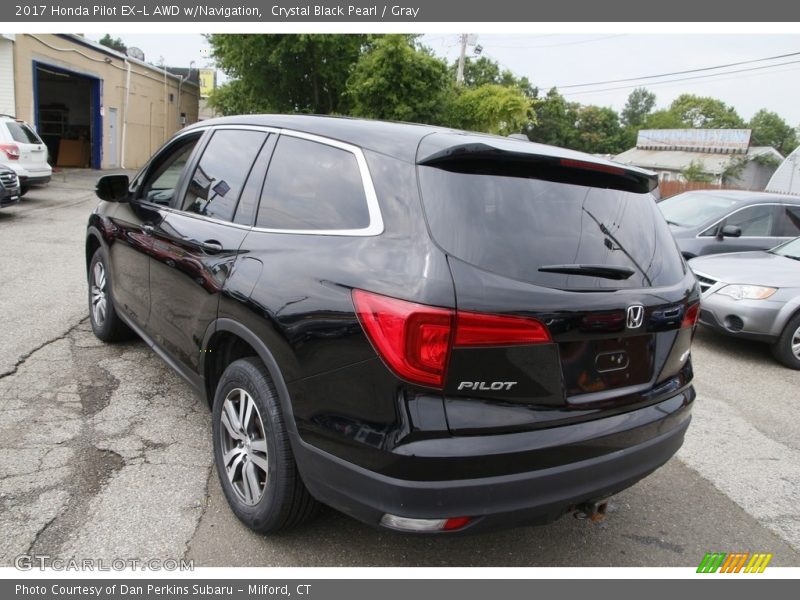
point(24, 152)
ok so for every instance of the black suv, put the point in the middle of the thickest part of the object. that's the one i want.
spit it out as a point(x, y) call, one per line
point(427, 329)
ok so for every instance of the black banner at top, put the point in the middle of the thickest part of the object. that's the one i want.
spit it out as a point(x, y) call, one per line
point(408, 11)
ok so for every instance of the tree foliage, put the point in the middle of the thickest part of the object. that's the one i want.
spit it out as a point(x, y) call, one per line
point(555, 121)
point(392, 77)
point(663, 119)
point(491, 108)
point(398, 81)
point(695, 172)
point(639, 105)
point(704, 112)
point(237, 98)
point(288, 73)
point(598, 130)
point(769, 129)
point(113, 43)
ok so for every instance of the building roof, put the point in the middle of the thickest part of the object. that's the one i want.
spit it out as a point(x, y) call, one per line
point(786, 178)
point(713, 163)
point(79, 39)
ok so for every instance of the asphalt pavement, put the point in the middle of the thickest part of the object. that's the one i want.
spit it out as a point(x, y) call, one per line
point(105, 452)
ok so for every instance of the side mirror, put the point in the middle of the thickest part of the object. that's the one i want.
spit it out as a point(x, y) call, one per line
point(113, 188)
point(731, 231)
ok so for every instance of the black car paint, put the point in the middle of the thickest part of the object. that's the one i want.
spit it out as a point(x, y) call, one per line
point(288, 297)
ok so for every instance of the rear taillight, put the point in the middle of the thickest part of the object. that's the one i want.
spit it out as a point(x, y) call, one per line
point(591, 166)
point(691, 316)
point(11, 151)
point(415, 340)
point(478, 329)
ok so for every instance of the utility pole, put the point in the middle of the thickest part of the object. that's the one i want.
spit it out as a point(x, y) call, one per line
point(461, 58)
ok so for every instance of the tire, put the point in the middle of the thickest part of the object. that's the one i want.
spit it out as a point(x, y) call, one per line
point(254, 460)
point(787, 349)
point(106, 324)
point(23, 190)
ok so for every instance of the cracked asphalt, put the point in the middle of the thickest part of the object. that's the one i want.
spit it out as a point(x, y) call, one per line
point(104, 452)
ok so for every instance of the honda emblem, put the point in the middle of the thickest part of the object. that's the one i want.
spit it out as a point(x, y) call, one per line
point(635, 316)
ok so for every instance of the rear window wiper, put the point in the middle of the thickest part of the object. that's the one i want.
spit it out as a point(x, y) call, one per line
point(604, 271)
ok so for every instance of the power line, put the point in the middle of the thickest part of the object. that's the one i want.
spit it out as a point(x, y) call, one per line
point(623, 87)
point(736, 64)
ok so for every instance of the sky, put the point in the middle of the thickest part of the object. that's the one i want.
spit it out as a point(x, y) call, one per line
point(572, 59)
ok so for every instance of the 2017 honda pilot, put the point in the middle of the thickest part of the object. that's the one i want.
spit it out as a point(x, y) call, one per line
point(427, 329)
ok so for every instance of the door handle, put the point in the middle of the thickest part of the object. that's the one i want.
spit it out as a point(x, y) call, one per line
point(211, 247)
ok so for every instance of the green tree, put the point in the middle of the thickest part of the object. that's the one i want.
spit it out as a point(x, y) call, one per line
point(598, 130)
point(236, 98)
point(491, 108)
point(663, 119)
point(113, 43)
point(704, 112)
point(555, 121)
point(288, 73)
point(639, 105)
point(695, 172)
point(769, 129)
point(398, 81)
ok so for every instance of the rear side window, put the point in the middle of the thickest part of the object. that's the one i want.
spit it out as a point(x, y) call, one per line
point(22, 133)
point(514, 226)
point(312, 186)
point(221, 173)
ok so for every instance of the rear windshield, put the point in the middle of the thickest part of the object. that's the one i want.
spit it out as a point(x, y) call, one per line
point(515, 226)
point(22, 133)
point(691, 210)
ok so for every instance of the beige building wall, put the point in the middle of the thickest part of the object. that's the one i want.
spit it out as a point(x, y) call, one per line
point(146, 116)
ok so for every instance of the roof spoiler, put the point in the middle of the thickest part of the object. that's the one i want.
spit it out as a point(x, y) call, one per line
point(490, 160)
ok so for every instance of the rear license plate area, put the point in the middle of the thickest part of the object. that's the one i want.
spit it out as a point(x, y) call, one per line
point(591, 366)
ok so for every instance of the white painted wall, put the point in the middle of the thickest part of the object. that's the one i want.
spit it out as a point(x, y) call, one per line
point(7, 100)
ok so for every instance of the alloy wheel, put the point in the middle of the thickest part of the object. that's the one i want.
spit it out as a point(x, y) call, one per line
point(99, 300)
point(245, 457)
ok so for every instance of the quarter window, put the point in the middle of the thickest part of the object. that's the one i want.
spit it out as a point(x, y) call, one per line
point(312, 186)
point(220, 175)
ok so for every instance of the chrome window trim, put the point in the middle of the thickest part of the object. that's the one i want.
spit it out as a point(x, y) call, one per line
point(375, 226)
point(749, 237)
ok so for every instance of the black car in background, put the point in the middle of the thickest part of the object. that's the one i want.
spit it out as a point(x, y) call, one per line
point(429, 330)
point(721, 221)
point(9, 187)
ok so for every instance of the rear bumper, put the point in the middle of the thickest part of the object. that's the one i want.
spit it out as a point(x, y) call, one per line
point(34, 180)
point(529, 497)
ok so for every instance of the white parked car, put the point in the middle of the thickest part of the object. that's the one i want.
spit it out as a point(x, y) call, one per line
point(24, 152)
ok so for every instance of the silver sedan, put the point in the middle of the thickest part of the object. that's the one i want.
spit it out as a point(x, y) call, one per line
point(754, 295)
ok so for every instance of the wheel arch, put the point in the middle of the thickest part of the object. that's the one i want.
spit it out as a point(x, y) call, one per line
point(226, 340)
point(93, 242)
